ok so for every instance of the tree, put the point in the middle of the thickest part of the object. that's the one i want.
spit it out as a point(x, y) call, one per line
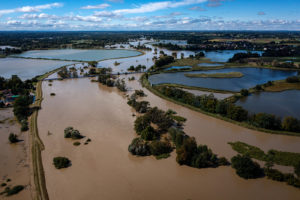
point(141, 123)
point(297, 169)
point(159, 147)
point(13, 138)
point(267, 121)
point(245, 167)
point(244, 92)
point(291, 124)
point(186, 151)
point(148, 133)
point(61, 162)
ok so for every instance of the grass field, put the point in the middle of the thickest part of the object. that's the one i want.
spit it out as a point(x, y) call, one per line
point(278, 157)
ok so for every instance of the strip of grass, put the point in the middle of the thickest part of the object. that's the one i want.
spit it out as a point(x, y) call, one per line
point(278, 157)
point(216, 75)
point(282, 85)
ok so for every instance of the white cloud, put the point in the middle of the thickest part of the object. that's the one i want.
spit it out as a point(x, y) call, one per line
point(197, 8)
point(100, 6)
point(151, 7)
point(26, 9)
point(38, 16)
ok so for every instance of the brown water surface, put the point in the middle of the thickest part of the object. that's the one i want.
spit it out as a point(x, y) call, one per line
point(104, 169)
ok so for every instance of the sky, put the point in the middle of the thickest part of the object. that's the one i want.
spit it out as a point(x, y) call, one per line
point(105, 15)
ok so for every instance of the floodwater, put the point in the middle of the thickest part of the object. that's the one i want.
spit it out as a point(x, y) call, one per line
point(104, 169)
point(178, 67)
point(225, 55)
point(14, 158)
point(252, 76)
point(27, 68)
point(146, 59)
point(79, 54)
point(281, 104)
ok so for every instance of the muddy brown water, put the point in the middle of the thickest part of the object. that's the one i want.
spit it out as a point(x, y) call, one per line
point(104, 169)
point(14, 158)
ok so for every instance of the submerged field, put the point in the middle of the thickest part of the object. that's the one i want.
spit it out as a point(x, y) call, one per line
point(105, 166)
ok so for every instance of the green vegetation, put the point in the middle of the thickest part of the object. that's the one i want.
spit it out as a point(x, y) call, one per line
point(70, 132)
point(52, 94)
point(13, 138)
point(216, 75)
point(163, 61)
point(3, 184)
point(189, 153)
point(281, 85)
point(138, 68)
point(246, 168)
point(277, 157)
point(12, 191)
point(61, 162)
point(22, 110)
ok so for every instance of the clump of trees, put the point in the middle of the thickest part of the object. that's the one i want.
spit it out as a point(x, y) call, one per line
point(240, 57)
point(64, 73)
point(13, 138)
point(61, 162)
point(189, 153)
point(138, 68)
point(22, 110)
point(165, 60)
point(70, 132)
point(139, 147)
point(16, 85)
point(244, 92)
point(245, 167)
point(139, 106)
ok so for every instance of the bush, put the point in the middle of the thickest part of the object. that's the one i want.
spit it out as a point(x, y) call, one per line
point(297, 169)
point(70, 132)
point(13, 138)
point(141, 123)
point(76, 143)
point(245, 167)
point(52, 94)
point(61, 162)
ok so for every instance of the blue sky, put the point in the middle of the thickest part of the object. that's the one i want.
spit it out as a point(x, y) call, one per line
point(150, 15)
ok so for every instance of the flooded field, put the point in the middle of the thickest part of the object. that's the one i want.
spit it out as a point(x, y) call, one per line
point(281, 104)
point(105, 169)
point(27, 68)
point(14, 158)
point(80, 55)
point(252, 76)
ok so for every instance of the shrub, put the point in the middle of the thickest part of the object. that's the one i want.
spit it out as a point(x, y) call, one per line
point(245, 167)
point(61, 162)
point(3, 184)
point(76, 143)
point(297, 169)
point(13, 138)
point(52, 94)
